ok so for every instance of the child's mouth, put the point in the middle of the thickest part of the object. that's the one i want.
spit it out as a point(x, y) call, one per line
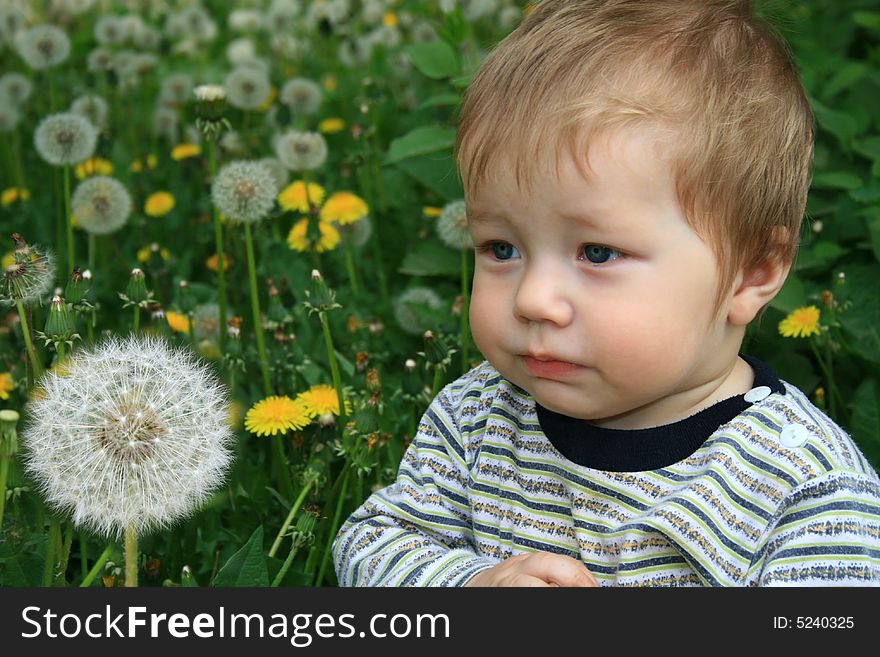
point(548, 369)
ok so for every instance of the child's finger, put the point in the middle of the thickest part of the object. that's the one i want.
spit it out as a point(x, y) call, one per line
point(558, 569)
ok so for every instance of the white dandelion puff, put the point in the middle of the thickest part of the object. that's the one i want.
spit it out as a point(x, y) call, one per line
point(206, 322)
point(29, 277)
point(301, 151)
point(245, 20)
point(281, 15)
point(406, 317)
point(63, 139)
point(132, 433)
point(91, 107)
point(9, 115)
point(279, 172)
point(99, 60)
point(359, 231)
point(176, 89)
point(101, 205)
point(110, 30)
point(301, 95)
point(452, 226)
point(15, 87)
point(244, 191)
point(246, 88)
point(43, 46)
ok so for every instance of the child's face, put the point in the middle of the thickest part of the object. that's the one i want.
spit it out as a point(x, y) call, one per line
point(604, 281)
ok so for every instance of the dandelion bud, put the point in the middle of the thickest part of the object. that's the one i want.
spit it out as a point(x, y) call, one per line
point(410, 365)
point(321, 298)
point(326, 419)
point(87, 275)
point(361, 361)
point(77, 287)
point(136, 291)
point(210, 101)
point(185, 300)
point(374, 384)
point(59, 324)
point(436, 351)
point(827, 298)
point(8, 436)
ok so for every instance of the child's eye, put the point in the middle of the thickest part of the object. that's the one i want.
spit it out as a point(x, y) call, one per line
point(501, 250)
point(598, 254)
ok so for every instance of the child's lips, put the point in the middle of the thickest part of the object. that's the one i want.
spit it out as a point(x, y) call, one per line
point(548, 367)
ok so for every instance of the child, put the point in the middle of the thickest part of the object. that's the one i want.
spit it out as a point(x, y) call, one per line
point(635, 174)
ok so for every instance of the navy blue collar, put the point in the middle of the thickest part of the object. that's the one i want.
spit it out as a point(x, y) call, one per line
point(638, 450)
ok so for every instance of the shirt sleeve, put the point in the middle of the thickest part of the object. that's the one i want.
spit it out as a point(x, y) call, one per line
point(828, 534)
point(417, 531)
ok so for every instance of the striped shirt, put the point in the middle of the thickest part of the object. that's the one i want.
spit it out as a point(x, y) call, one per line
point(482, 482)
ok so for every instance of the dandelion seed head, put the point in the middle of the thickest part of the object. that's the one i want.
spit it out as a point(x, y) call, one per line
point(110, 30)
point(13, 19)
point(91, 107)
point(359, 232)
point(28, 279)
point(15, 87)
point(281, 15)
point(245, 20)
point(244, 191)
point(240, 50)
point(166, 123)
point(176, 89)
point(134, 435)
point(43, 46)
point(452, 226)
point(406, 317)
point(66, 138)
point(301, 95)
point(279, 172)
point(301, 151)
point(9, 115)
point(101, 205)
point(99, 60)
point(246, 88)
point(206, 322)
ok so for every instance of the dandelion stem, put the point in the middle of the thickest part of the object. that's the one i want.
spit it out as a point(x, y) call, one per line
point(131, 557)
point(65, 554)
point(289, 519)
point(349, 265)
point(49, 563)
point(29, 345)
point(438, 379)
point(255, 308)
point(137, 318)
point(286, 565)
point(99, 564)
point(465, 303)
point(4, 474)
point(833, 393)
point(218, 245)
point(69, 222)
point(334, 369)
point(83, 554)
point(91, 251)
point(337, 517)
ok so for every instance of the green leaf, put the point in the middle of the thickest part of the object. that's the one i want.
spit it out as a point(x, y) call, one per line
point(868, 19)
point(431, 259)
point(436, 172)
point(840, 124)
point(836, 180)
point(441, 100)
point(862, 316)
point(794, 368)
point(865, 422)
point(247, 567)
point(791, 296)
point(869, 194)
point(827, 251)
point(420, 141)
point(845, 77)
point(436, 59)
point(869, 147)
point(874, 232)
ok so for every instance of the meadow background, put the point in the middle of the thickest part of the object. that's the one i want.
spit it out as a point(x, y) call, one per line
point(380, 81)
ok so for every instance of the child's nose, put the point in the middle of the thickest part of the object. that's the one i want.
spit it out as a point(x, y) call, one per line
point(541, 297)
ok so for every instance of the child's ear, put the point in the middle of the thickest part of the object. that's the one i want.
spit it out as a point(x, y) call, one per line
point(756, 289)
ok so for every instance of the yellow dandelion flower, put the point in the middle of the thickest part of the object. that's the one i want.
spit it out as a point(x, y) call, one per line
point(322, 399)
point(159, 204)
point(331, 126)
point(6, 384)
point(177, 322)
point(330, 82)
point(296, 238)
point(138, 165)
point(800, 323)
point(293, 197)
point(8, 259)
point(270, 99)
point(211, 262)
point(276, 415)
point(185, 151)
point(143, 254)
point(344, 208)
point(95, 166)
point(431, 211)
point(389, 19)
point(13, 194)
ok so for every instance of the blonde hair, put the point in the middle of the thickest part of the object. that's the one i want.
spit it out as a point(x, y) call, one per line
point(717, 80)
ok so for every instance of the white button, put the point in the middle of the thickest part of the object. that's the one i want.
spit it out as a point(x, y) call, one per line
point(757, 394)
point(794, 435)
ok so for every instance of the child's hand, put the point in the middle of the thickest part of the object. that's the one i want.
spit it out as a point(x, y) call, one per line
point(535, 569)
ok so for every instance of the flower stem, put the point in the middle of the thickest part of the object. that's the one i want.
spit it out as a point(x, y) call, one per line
point(334, 369)
point(99, 564)
point(438, 379)
point(137, 318)
point(255, 308)
point(465, 302)
point(218, 245)
point(4, 474)
point(91, 251)
point(29, 345)
point(289, 519)
point(69, 222)
point(49, 563)
point(337, 517)
point(131, 557)
point(286, 565)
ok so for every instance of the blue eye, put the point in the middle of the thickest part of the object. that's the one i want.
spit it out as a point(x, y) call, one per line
point(504, 250)
point(598, 254)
